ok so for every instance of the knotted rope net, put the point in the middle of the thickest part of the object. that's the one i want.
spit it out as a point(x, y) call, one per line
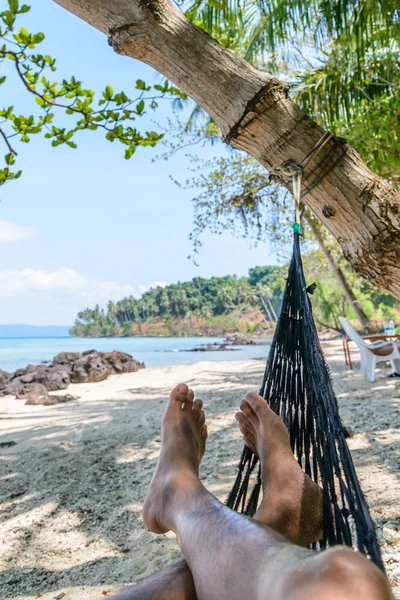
point(298, 387)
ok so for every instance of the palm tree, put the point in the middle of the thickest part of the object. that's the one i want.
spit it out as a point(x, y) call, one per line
point(306, 32)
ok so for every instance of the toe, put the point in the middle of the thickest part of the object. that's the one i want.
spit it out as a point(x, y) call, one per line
point(197, 406)
point(202, 419)
point(248, 412)
point(204, 432)
point(176, 399)
point(243, 423)
point(245, 430)
point(179, 393)
point(250, 444)
point(188, 406)
point(248, 435)
point(256, 402)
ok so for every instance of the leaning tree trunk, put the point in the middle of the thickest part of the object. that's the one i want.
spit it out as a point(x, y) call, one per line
point(340, 276)
point(255, 114)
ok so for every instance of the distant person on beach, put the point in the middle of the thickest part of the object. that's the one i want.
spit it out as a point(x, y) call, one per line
point(226, 554)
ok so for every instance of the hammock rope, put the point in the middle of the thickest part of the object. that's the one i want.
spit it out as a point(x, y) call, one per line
point(284, 172)
point(298, 387)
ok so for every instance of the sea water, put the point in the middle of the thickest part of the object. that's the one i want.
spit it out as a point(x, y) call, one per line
point(16, 353)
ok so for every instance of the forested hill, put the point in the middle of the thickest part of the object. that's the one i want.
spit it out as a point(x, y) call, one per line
point(198, 307)
point(221, 305)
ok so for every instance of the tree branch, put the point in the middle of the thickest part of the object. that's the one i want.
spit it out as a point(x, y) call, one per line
point(11, 149)
point(255, 114)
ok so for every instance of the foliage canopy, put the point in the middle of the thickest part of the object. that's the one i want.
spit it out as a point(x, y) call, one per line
point(112, 112)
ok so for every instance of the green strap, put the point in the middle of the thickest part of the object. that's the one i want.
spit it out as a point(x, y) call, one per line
point(296, 228)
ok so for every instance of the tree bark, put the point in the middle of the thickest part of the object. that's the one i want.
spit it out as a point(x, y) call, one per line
point(255, 114)
point(340, 276)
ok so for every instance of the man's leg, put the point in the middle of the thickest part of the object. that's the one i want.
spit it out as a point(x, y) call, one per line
point(231, 556)
point(175, 582)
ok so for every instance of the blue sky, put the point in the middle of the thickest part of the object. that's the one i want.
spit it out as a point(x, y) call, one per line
point(85, 226)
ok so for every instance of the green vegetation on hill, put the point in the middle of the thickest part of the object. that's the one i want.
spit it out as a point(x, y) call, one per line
point(221, 305)
point(201, 306)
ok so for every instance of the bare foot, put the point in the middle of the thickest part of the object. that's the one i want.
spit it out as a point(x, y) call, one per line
point(292, 503)
point(183, 443)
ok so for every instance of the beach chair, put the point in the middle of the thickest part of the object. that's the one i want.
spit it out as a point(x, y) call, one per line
point(373, 352)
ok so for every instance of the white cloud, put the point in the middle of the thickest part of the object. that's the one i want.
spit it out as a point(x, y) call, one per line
point(145, 288)
point(63, 280)
point(9, 232)
point(40, 297)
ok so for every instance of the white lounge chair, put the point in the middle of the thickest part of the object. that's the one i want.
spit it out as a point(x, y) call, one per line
point(373, 352)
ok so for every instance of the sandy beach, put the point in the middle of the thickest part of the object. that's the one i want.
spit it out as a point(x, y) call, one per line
point(73, 486)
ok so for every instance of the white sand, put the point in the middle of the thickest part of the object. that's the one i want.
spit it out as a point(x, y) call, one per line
point(73, 487)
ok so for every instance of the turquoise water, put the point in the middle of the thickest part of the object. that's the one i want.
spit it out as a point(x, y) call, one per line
point(16, 353)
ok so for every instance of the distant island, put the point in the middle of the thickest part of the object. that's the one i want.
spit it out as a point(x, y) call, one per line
point(222, 305)
point(200, 307)
point(33, 331)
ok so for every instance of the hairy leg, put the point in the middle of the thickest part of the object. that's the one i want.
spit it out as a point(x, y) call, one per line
point(292, 503)
point(231, 556)
point(175, 582)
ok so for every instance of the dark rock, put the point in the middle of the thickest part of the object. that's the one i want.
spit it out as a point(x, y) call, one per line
point(212, 348)
point(66, 398)
point(53, 377)
point(49, 400)
point(239, 339)
point(23, 371)
point(33, 393)
point(120, 362)
point(35, 381)
point(42, 401)
point(25, 391)
point(4, 379)
point(36, 393)
point(66, 358)
point(90, 368)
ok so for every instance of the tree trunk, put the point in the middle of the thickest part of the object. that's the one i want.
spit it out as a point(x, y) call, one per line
point(340, 276)
point(254, 114)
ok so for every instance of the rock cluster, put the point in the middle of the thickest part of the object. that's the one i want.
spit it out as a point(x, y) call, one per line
point(232, 339)
point(239, 339)
point(34, 382)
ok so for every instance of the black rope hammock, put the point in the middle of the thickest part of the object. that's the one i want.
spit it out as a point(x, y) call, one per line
point(298, 387)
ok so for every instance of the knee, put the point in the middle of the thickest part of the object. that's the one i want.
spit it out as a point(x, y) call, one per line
point(352, 575)
point(341, 574)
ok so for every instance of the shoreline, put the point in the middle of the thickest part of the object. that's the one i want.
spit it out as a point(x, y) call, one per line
point(17, 354)
point(74, 484)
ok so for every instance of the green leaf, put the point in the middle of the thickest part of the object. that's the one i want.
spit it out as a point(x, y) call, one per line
point(8, 18)
point(109, 92)
point(40, 101)
point(38, 37)
point(140, 107)
point(2, 79)
point(129, 152)
point(24, 9)
point(140, 84)
point(13, 4)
